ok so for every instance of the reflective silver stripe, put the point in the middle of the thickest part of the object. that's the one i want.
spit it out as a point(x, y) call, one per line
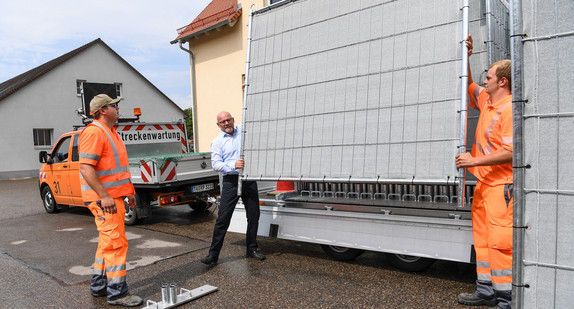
point(493, 122)
point(483, 277)
point(497, 286)
point(91, 156)
point(482, 149)
point(495, 118)
point(116, 154)
point(116, 183)
point(107, 185)
point(507, 140)
point(116, 280)
point(116, 268)
point(112, 171)
point(99, 272)
point(482, 264)
point(501, 272)
point(99, 261)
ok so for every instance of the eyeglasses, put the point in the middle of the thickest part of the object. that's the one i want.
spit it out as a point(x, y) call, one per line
point(225, 121)
point(114, 105)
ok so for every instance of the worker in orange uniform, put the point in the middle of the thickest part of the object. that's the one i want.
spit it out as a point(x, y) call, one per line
point(106, 182)
point(491, 162)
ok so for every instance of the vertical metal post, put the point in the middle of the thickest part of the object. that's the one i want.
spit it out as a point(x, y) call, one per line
point(489, 31)
point(165, 293)
point(172, 294)
point(516, 56)
point(463, 101)
point(245, 90)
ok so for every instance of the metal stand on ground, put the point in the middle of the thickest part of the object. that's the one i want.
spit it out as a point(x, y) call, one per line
point(170, 299)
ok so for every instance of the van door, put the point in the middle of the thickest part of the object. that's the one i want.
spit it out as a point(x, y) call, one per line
point(74, 171)
point(60, 171)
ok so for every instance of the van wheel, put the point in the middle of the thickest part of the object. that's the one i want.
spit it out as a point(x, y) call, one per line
point(50, 204)
point(342, 253)
point(409, 262)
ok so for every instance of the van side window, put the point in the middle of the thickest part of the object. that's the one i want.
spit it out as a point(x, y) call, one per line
point(75, 153)
point(60, 153)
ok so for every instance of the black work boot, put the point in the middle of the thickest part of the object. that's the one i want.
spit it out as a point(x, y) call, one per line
point(127, 301)
point(471, 299)
point(256, 255)
point(209, 260)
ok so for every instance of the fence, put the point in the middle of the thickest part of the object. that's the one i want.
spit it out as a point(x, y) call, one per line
point(363, 91)
point(543, 46)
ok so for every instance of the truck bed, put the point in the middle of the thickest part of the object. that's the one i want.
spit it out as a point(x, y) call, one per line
point(423, 235)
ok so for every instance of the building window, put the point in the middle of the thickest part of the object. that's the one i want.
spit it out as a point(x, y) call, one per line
point(80, 87)
point(91, 90)
point(43, 137)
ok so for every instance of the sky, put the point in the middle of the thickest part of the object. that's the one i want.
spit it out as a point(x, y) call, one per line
point(33, 32)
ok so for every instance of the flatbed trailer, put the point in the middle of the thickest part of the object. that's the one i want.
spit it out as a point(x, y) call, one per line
point(345, 230)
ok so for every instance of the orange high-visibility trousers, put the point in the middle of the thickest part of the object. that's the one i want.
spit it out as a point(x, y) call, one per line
point(110, 262)
point(492, 209)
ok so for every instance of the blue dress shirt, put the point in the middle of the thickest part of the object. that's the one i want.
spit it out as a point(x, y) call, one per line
point(225, 151)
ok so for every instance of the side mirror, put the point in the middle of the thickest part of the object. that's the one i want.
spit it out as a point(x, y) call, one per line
point(44, 158)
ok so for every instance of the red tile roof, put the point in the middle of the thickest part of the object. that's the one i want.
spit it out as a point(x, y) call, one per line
point(218, 12)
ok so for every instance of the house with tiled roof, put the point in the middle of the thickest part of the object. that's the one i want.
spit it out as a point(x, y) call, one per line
point(216, 40)
point(39, 105)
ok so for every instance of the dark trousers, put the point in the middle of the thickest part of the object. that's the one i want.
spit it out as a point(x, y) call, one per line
point(229, 198)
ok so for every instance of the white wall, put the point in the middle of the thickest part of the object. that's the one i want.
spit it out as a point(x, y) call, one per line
point(51, 101)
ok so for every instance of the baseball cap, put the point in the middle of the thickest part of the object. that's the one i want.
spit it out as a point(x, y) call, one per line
point(100, 101)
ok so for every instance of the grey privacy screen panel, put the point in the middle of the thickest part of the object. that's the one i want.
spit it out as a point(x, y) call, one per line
point(548, 258)
point(357, 89)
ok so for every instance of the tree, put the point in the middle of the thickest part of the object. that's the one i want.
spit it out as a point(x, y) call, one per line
point(189, 125)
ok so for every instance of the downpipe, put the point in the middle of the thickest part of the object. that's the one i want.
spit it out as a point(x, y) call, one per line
point(193, 95)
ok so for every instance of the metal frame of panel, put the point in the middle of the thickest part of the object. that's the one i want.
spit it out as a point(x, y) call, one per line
point(284, 122)
point(343, 152)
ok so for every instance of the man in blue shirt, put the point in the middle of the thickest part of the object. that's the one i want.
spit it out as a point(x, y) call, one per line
point(225, 150)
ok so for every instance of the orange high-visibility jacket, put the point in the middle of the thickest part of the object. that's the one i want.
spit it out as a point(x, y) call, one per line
point(103, 148)
point(493, 132)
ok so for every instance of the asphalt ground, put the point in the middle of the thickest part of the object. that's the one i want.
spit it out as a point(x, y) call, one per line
point(45, 262)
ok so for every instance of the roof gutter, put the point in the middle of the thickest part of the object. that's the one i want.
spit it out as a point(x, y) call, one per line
point(208, 29)
point(193, 94)
point(230, 21)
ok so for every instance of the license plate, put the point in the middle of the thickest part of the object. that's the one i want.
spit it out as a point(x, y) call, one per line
point(203, 187)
